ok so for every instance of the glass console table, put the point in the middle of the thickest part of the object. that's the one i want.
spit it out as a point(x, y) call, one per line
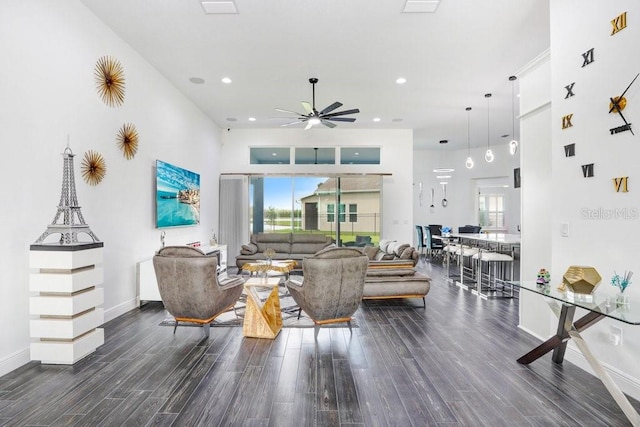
point(564, 304)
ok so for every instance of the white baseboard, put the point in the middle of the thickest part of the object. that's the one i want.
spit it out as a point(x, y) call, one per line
point(628, 384)
point(14, 361)
point(120, 309)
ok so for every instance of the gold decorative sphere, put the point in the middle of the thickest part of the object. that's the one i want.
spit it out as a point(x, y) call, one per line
point(581, 280)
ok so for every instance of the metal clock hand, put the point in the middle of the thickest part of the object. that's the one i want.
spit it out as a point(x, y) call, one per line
point(625, 91)
point(620, 112)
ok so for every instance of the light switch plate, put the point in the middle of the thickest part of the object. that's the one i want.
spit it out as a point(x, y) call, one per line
point(564, 229)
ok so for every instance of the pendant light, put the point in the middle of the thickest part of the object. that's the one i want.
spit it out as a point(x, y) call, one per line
point(513, 144)
point(488, 155)
point(469, 162)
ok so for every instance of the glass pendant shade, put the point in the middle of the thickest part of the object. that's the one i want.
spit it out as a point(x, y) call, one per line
point(488, 156)
point(513, 147)
point(469, 163)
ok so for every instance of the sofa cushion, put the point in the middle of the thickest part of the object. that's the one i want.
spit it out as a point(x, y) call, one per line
point(308, 243)
point(377, 272)
point(383, 256)
point(337, 252)
point(371, 251)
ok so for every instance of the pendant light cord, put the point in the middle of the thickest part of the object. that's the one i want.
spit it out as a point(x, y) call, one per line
point(488, 96)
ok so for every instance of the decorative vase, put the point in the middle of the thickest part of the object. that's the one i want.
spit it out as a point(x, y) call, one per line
point(622, 299)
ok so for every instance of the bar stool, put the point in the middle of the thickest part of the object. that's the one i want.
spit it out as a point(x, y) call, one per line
point(499, 268)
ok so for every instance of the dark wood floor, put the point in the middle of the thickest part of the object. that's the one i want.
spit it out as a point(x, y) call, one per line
point(451, 363)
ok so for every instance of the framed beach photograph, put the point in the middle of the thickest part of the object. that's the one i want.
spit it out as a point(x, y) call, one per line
point(177, 196)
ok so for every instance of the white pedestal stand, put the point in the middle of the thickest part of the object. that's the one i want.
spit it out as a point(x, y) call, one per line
point(63, 282)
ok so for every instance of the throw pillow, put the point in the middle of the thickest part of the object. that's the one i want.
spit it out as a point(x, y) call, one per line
point(407, 253)
point(370, 251)
point(249, 249)
point(384, 244)
point(400, 248)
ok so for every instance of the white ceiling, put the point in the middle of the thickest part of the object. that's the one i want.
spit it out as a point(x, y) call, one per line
point(356, 48)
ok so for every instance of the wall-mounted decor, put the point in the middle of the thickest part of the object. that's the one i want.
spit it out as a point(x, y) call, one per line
point(569, 89)
point(516, 178)
point(127, 140)
point(94, 167)
point(621, 184)
point(570, 150)
point(177, 196)
point(587, 57)
point(587, 170)
point(566, 121)
point(616, 105)
point(109, 76)
point(619, 23)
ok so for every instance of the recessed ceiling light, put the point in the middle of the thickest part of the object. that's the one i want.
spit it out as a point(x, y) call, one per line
point(232, 119)
point(196, 80)
point(396, 120)
point(226, 80)
point(252, 119)
point(421, 6)
point(274, 154)
point(356, 154)
point(401, 80)
point(218, 7)
point(376, 119)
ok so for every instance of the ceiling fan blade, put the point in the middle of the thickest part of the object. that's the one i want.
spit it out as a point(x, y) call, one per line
point(308, 126)
point(292, 123)
point(289, 112)
point(328, 123)
point(331, 107)
point(342, 113)
point(340, 119)
point(307, 107)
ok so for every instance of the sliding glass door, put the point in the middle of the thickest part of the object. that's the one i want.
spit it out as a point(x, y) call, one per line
point(346, 208)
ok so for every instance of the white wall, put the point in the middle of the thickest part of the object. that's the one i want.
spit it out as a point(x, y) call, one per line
point(396, 150)
point(604, 226)
point(462, 186)
point(49, 51)
point(537, 187)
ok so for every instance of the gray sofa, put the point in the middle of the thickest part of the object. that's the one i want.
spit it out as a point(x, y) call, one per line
point(392, 274)
point(293, 246)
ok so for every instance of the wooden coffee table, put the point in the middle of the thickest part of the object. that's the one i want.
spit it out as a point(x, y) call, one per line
point(280, 266)
point(262, 320)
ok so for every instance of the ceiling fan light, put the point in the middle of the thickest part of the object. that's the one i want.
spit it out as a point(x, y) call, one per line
point(469, 163)
point(488, 156)
point(314, 121)
point(513, 147)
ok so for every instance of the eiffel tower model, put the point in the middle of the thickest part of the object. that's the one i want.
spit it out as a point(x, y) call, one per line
point(68, 210)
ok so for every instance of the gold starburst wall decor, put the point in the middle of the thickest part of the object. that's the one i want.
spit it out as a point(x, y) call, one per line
point(128, 140)
point(110, 81)
point(94, 167)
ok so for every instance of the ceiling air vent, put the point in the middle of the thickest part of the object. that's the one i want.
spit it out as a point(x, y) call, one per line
point(219, 7)
point(417, 6)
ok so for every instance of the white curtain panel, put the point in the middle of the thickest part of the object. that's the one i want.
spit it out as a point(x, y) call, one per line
point(233, 221)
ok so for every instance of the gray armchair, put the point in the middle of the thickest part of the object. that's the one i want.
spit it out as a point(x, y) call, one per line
point(332, 284)
point(190, 288)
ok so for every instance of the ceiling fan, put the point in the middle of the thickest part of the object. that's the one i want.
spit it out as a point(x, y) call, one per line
point(325, 116)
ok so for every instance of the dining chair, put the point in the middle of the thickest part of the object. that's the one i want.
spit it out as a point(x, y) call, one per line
point(421, 240)
point(433, 246)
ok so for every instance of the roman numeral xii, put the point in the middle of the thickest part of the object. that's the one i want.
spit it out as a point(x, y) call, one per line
point(619, 23)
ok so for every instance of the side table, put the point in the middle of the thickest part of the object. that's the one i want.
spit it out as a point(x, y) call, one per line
point(262, 320)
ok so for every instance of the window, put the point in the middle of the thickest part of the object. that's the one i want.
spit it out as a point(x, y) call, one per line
point(491, 210)
point(342, 207)
point(331, 209)
point(353, 212)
